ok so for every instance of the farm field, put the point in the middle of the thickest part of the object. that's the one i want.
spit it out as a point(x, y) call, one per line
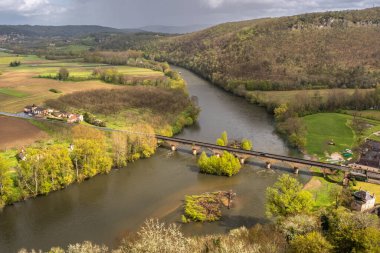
point(17, 133)
point(86, 72)
point(19, 86)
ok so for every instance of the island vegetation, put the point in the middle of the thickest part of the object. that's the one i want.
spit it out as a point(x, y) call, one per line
point(206, 207)
point(224, 165)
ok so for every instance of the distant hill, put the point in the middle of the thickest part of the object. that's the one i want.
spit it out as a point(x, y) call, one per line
point(318, 50)
point(174, 29)
point(59, 31)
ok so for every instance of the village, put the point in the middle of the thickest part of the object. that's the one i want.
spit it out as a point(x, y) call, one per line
point(48, 113)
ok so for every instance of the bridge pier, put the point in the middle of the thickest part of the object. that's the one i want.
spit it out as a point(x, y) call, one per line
point(268, 165)
point(195, 150)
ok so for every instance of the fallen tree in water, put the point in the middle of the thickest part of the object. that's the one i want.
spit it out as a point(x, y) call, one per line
point(207, 206)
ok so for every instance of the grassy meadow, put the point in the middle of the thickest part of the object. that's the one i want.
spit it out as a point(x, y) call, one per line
point(325, 127)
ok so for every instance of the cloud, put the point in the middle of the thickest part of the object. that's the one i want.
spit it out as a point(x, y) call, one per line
point(30, 7)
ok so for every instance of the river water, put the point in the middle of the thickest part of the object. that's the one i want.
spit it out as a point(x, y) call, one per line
point(107, 207)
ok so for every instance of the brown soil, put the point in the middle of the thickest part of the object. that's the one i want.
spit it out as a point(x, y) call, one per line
point(312, 184)
point(17, 133)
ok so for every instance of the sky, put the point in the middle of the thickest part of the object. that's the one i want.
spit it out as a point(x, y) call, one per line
point(139, 13)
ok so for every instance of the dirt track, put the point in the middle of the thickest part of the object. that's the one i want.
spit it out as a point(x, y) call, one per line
point(16, 133)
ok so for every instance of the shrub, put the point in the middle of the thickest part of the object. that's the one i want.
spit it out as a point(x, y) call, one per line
point(55, 91)
point(156, 237)
point(14, 64)
point(298, 225)
point(63, 74)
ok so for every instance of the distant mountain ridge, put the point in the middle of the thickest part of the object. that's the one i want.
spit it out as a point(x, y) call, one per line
point(60, 31)
point(316, 50)
point(174, 29)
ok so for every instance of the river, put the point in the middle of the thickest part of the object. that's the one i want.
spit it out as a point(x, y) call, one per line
point(107, 207)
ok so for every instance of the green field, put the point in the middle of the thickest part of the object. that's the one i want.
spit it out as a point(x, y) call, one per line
point(86, 72)
point(6, 58)
point(321, 189)
point(12, 92)
point(325, 127)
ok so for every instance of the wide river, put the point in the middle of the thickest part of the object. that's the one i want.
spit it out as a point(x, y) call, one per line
point(107, 207)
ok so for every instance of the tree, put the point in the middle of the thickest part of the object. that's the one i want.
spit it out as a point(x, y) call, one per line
point(88, 133)
point(90, 158)
point(312, 242)
point(119, 148)
point(45, 170)
point(246, 144)
point(31, 170)
point(226, 165)
point(300, 224)
point(157, 237)
point(63, 74)
point(287, 198)
point(223, 140)
point(6, 183)
point(353, 232)
point(280, 111)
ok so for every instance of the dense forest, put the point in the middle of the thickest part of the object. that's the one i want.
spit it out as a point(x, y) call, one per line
point(319, 50)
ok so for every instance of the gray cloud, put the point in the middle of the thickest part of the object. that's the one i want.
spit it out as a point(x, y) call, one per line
point(137, 13)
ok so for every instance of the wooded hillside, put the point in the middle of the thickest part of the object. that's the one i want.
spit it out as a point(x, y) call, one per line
point(319, 50)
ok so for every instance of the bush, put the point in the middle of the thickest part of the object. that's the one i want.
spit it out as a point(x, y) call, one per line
point(91, 119)
point(298, 225)
point(226, 165)
point(14, 64)
point(312, 242)
point(55, 91)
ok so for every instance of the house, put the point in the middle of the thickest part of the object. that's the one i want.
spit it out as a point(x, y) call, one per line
point(39, 111)
point(29, 109)
point(363, 201)
point(74, 118)
point(370, 155)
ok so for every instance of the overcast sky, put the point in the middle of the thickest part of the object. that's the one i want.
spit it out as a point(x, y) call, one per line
point(138, 13)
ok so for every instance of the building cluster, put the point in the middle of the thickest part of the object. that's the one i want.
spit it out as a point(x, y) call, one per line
point(370, 155)
point(41, 112)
